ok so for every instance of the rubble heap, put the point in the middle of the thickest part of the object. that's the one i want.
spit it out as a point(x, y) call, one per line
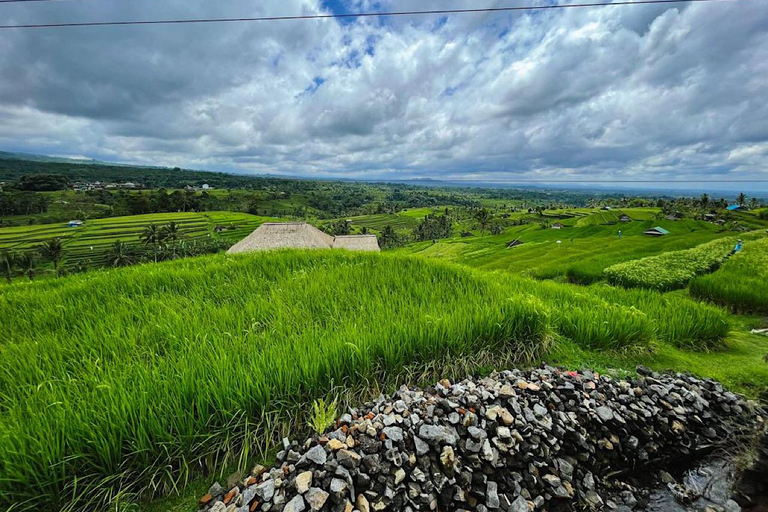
point(515, 441)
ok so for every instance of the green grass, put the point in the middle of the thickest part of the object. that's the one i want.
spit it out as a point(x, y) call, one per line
point(88, 244)
point(742, 282)
point(122, 381)
point(740, 365)
point(127, 380)
point(671, 270)
point(582, 256)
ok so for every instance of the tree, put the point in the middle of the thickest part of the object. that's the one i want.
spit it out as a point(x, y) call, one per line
point(119, 255)
point(152, 235)
point(741, 199)
point(388, 238)
point(171, 232)
point(27, 263)
point(338, 228)
point(704, 200)
point(53, 251)
point(754, 203)
point(8, 261)
point(483, 217)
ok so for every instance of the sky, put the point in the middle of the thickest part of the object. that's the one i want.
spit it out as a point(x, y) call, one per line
point(647, 93)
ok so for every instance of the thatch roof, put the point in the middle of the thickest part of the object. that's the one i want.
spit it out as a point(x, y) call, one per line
point(274, 235)
point(300, 235)
point(357, 243)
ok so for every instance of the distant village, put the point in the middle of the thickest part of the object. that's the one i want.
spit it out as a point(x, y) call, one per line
point(86, 186)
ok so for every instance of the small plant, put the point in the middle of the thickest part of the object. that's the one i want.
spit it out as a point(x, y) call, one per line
point(323, 414)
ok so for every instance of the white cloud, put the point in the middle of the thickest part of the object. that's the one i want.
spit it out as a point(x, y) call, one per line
point(619, 92)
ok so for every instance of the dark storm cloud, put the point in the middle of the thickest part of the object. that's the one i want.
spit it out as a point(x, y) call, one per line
point(621, 92)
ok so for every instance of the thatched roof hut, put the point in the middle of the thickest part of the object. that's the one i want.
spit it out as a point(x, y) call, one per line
point(357, 243)
point(276, 235)
point(300, 235)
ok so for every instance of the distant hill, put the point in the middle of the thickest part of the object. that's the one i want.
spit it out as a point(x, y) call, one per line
point(5, 155)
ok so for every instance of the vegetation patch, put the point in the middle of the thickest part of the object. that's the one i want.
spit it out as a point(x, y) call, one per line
point(742, 283)
point(671, 270)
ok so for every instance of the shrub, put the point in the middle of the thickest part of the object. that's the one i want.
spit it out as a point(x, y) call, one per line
point(671, 270)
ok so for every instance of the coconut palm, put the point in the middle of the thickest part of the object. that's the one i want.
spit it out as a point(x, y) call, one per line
point(53, 251)
point(741, 199)
point(171, 232)
point(119, 255)
point(8, 261)
point(483, 217)
point(153, 235)
point(27, 263)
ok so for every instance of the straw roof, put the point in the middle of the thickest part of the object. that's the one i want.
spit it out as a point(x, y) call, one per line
point(274, 235)
point(300, 235)
point(357, 243)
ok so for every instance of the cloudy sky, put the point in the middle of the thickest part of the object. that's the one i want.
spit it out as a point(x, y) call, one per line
point(672, 92)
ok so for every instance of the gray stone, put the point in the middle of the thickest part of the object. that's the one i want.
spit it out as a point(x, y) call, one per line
point(492, 495)
point(317, 455)
point(604, 413)
point(266, 490)
point(394, 433)
point(316, 498)
point(295, 505)
point(438, 434)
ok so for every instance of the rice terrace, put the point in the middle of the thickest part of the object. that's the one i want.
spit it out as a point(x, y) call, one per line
point(341, 256)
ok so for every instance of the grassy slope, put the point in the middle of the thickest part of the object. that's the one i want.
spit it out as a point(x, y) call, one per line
point(584, 252)
point(181, 354)
point(742, 283)
point(167, 365)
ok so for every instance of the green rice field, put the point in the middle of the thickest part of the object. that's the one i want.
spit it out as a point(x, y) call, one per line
point(742, 282)
point(90, 242)
point(165, 365)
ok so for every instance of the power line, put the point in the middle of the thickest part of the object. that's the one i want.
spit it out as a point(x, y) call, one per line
point(341, 15)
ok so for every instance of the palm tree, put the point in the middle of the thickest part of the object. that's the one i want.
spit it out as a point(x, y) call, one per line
point(27, 263)
point(704, 200)
point(53, 251)
point(119, 255)
point(741, 199)
point(483, 217)
point(8, 261)
point(152, 235)
point(172, 231)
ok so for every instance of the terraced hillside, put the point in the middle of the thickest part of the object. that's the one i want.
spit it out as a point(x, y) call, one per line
point(90, 241)
point(577, 252)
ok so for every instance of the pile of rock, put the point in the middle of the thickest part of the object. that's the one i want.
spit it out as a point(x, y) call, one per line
point(515, 441)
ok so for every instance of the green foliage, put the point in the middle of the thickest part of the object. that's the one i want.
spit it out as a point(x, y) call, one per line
point(27, 264)
point(742, 283)
point(323, 414)
point(389, 238)
point(338, 228)
point(8, 261)
point(43, 182)
point(53, 251)
point(671, 270)
point(433, 227)
point(124, 378)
